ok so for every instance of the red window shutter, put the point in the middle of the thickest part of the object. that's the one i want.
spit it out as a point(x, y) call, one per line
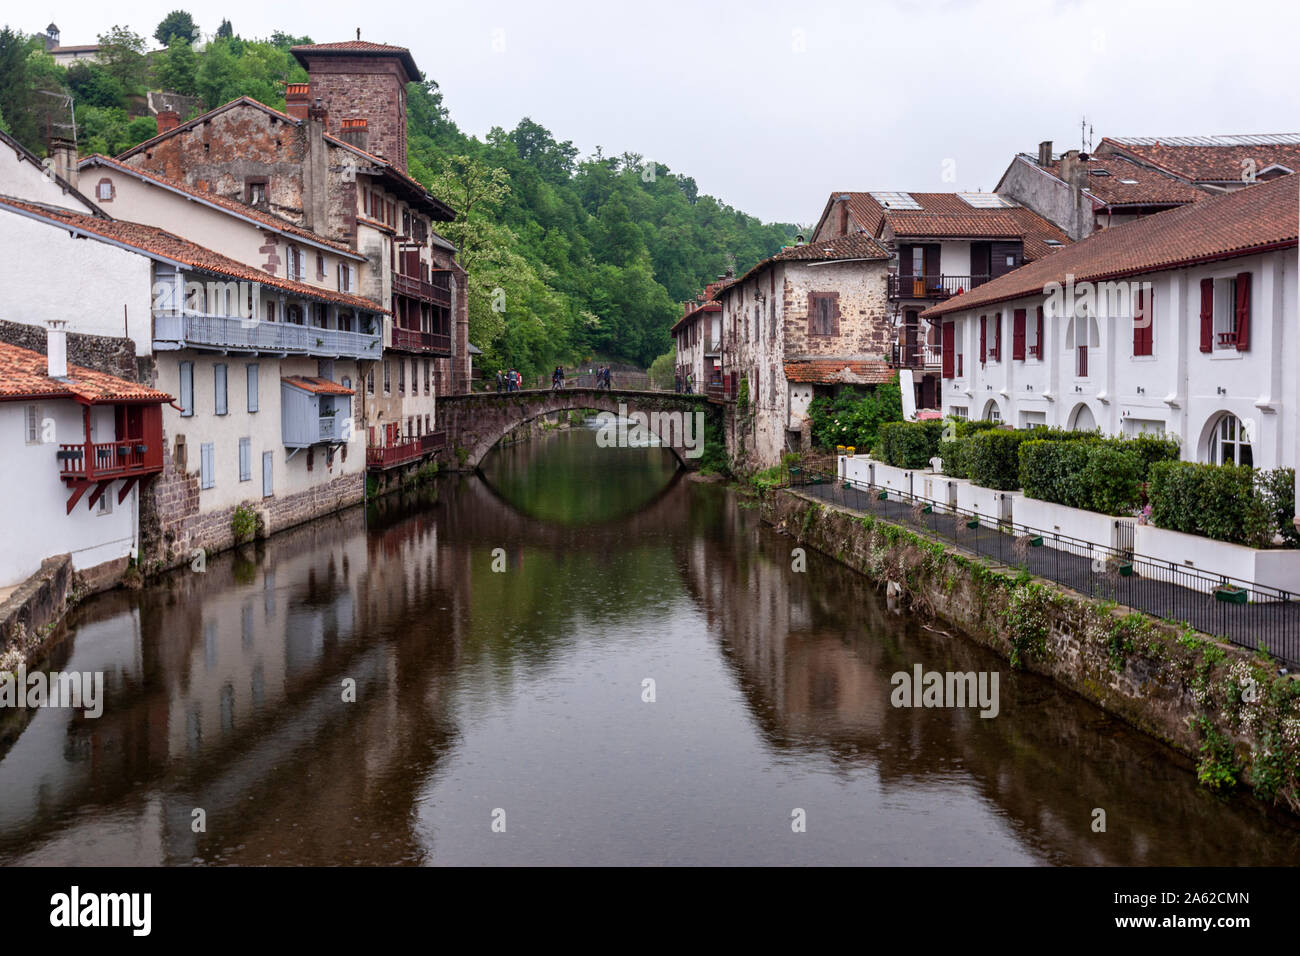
point(949, 339)
point(1207, 315)
point(1243, 311)
point(1018, 334)
point(1143, 318)
point(1038, 341)
point(983, 338)
point(997, 336)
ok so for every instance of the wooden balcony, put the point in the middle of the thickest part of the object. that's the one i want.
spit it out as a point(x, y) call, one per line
point(915, 355)
point(401, 453)
point(415, 340)
point(436, 289)
point(107, 461)
point(229, 333)
point(935, 287)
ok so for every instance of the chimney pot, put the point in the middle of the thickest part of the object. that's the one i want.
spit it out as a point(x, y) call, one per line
point(295, 100)
point(168, 119)
point(63, 154)
point(1045, 153)
point(56, 348)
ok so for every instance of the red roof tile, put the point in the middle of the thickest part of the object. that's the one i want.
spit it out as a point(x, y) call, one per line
point(321, 386)
point(1233, 224)
point(948, 216)
point(24, 375)
point(1148, 187)
point(158, 242)
point(1205, 163)
point(357, 48)
point(847, 248)
point(830, 371)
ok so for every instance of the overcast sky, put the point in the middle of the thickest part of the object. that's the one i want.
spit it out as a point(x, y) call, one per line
point(773, 105)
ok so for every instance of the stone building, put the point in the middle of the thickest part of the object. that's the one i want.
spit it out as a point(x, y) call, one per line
point(798, 324)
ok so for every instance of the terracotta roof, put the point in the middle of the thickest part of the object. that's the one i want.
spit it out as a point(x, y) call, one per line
point(357, 48)
point(948, 216)
point(23, 375)
point(164, 245)
point(849, 248)
point(229, 205)
point(1146, 186)
point(829, 371)
point(78, 48)
point(701, 308)
point(320, 386)
point(1233, 224)
point(1207, 159)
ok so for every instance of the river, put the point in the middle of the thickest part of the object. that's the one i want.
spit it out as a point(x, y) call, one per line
point(502, 636)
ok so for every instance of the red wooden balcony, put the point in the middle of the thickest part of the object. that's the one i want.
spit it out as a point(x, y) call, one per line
point(416, 340)
point(401, 453)
point(435, 289)
point(100, 461)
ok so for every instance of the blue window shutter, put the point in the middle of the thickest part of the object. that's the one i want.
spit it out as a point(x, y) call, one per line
point(219, 386)
point(187, 389)
point(252, 387)
point(205, 465)
point(266, 474)
point(245, 459)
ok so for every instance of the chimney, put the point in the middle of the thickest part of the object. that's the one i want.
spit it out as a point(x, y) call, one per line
point(315, 200)
point(295, 100)
point(168, 120)
point(63, 153)
point(56, 348)
point(1074, 169)
point(356, 132)
point(1045, 153)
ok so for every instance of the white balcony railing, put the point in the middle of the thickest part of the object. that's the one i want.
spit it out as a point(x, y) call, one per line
point(173, 331)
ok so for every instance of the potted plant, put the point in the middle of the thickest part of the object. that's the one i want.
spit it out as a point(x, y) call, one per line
point(1231, 594)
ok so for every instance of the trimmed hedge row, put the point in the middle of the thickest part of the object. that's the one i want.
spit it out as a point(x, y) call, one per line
point(953, 449)
point(1097, 475)
point(1233, 503)
point(909, 444)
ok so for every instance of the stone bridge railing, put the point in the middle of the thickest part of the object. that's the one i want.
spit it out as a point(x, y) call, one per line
point(476, 422)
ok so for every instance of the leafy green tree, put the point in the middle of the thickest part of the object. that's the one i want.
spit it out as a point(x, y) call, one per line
point(94, 86)
point(176, 69)
point(121, 54)
point(176, 25)
point(16, 96)
point(225, 31)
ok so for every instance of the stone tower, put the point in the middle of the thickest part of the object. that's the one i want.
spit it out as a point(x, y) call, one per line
point(361, 85)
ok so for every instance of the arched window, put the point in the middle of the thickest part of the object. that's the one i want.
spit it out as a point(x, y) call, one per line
point(991, 412)
point(1230, 442)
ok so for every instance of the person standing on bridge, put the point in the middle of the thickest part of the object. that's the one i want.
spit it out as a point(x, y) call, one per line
point(501, 380)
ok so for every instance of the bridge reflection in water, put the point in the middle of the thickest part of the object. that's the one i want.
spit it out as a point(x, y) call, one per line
point(522, 690)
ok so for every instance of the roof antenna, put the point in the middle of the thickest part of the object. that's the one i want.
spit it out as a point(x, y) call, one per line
point(1085, 135)
point(358, 33)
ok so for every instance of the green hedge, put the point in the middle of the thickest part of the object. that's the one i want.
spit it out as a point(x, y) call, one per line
point(991, 458)
point(1232, 503)
point(909, 444)
point(1149, 450)
point(952, 448)
point(1099, 476)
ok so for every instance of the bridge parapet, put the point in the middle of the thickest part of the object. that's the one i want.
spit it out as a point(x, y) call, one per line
point(475, 423)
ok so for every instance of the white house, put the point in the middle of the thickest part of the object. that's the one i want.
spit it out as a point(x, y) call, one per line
point(1182, 323)
point(76, 446)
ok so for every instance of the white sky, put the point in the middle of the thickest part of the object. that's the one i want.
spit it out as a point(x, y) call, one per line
point(773, 105)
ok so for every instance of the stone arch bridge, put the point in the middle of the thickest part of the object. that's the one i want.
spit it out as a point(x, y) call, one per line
point(475, 423)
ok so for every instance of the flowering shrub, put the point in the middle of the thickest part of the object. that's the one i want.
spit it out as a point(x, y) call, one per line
point(853, 417)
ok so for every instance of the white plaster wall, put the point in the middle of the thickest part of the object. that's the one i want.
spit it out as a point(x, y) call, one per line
point(37, 525)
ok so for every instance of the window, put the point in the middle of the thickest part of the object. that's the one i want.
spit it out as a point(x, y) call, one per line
point(104, 190)
point(1230, 443)
point(187, 389)
point(296, 269)
point(219, 387)
point(959, 411)
point(32, 423)
point(345, 277)
point(388, 377)
point(251, 369)
point(427, 365)
point(401, 376)
point(823, 313)
point(255, 191)
point(206, 476)
point(1225, 313)
point(1143, 318)
point(426, 424)
point(320, 266)
point(245, 459)
point(370, 382)
point(105, 504)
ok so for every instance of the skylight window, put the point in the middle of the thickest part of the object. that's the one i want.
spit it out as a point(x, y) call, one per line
point(896, 200)
point(986, 201)
point(1129, 182)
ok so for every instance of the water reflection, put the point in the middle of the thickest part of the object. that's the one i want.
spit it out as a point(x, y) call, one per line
point(522, 690)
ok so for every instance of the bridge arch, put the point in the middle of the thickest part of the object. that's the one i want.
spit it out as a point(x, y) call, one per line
point(475, 423)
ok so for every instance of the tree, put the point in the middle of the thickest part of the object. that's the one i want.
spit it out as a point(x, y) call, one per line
point(15, 89)
point(121, 54)
point(225, 31)
point(468, 186)
point(176, 25)
point(176, 68)
point(92, 85)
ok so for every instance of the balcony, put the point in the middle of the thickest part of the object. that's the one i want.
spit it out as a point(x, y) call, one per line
point(936, 287)
point(437, 289)
point(721, 388)
point(415, 340)
point(390, 456)
point(916, 355)
point(107, 461)
point(173, 331)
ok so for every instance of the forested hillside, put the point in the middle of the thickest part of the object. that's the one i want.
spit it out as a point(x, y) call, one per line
point(569, 258)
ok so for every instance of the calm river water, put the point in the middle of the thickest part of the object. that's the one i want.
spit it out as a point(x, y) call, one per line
point(500, 632)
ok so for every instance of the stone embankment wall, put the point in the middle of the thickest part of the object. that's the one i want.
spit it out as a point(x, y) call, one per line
point(1229, 710)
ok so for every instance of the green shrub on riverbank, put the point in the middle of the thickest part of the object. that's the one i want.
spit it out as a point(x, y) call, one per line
point(854, 417)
